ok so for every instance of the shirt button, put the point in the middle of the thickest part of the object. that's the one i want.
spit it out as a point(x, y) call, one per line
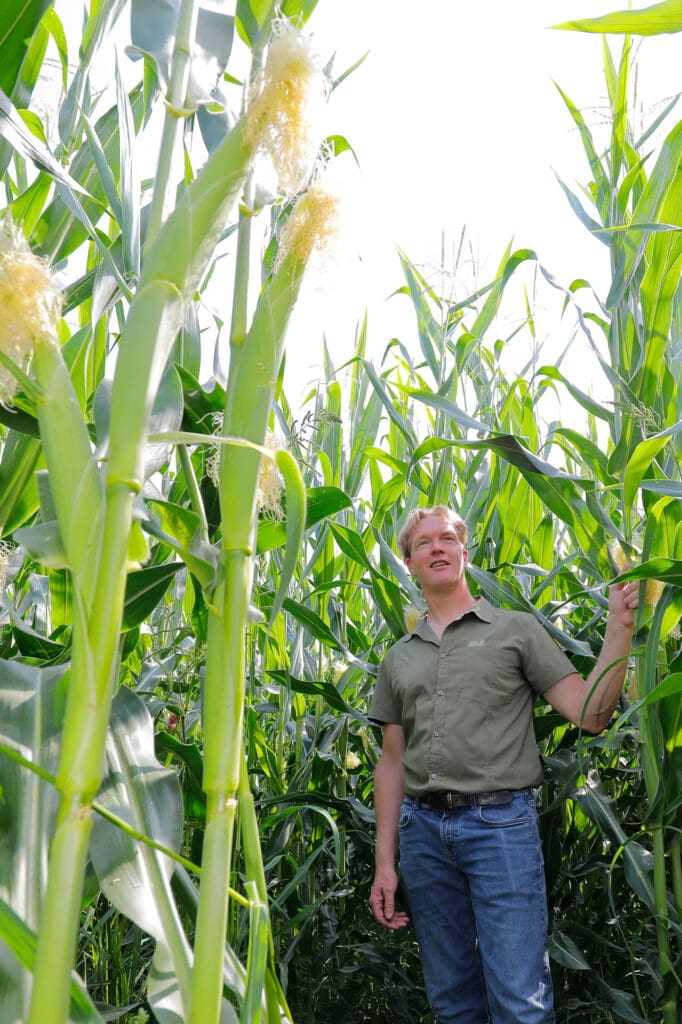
point(443, 655)
point(434, 775)
point(436, 732)
point(441, 692)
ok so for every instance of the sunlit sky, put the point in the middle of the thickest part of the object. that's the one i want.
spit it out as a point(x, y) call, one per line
point(457, 127)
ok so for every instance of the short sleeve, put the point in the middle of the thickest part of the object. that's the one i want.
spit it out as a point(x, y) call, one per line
point(384, 708)
point(544, 663)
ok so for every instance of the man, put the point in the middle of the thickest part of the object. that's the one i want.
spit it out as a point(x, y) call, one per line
point(454, 783)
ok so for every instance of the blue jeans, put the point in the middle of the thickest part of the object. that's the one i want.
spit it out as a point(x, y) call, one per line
point(475, 887)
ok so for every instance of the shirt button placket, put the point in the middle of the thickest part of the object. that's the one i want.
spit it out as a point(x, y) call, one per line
point(438, 712)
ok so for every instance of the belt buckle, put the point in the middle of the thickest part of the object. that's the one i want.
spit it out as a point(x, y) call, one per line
point(449, 800)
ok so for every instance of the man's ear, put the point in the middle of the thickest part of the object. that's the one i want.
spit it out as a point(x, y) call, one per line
point(408, 563)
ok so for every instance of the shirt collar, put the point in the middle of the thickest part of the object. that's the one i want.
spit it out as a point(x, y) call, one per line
point(483, 610)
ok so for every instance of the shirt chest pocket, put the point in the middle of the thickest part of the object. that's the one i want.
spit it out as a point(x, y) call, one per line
point(488, 675)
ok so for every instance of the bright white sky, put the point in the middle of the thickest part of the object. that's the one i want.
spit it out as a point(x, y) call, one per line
point(457, 125)
point(456, 122)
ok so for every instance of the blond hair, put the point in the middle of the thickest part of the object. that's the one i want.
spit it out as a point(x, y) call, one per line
point(417, 514)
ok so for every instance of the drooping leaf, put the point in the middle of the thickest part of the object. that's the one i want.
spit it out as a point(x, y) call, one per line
point(655, 20)
point(134, 876)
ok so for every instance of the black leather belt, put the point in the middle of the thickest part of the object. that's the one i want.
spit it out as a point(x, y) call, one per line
point(447, 799)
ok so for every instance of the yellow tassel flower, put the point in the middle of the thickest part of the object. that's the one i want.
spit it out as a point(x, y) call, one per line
point(286, 103)
point(30, 303)
point(339, 668)
point(312, 228)
point(269, 493)
point(6, 552)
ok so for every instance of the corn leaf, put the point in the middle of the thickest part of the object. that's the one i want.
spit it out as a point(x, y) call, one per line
point(19, 20)
point(18, 491)
point(638, 862)
point(134, 876)
point(640, 461)
point(655, 20)
point(31, 709)
point(20, 944)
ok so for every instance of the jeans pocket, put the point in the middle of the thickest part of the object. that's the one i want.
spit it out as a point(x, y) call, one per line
point(406, 812)
point(518, 812)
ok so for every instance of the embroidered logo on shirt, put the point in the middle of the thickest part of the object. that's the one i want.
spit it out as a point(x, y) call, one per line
point(476, 643)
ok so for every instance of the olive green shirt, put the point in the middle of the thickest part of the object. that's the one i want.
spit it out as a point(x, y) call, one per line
point(466, 702)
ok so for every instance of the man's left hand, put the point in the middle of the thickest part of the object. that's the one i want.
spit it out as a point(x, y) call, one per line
point(623, 600)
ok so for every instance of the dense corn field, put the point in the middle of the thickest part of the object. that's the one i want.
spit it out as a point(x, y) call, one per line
point(200, 579)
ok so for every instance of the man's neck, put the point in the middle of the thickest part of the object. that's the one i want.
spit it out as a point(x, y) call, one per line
point(444, 608)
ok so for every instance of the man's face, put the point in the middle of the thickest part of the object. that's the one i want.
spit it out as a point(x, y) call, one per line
point(437, 555)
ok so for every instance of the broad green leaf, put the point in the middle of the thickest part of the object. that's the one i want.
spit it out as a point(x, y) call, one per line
point(321, 503)
point(311, 621)
point(31, 709)
point(385, 400)
point(640, 462)
point(134, 876)
point(389, 602)
point(144, 591)
point(153, 25)
point(667, 569)
point(564, 950)
point(638, 861)
point(58, 233)
point(12, 128)
point(351, 544)
point(649, 21)
point(317, 688)
point(672, 487)
point(21, 941)
point(557, 490)
point(647, 210)
point(435, 401)
point(510, 263)
point(254, 16)
point(589, 404)
point(18, 491)
point(19, 20)
point(503, 595)
point(598, 173)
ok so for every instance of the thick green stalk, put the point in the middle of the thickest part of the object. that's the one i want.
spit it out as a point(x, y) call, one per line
point(209, 946)
point(247, 409)
point(171, 271)
point(175, 103)
point(57, 942)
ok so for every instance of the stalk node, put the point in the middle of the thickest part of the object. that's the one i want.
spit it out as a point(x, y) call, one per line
point(127, 484)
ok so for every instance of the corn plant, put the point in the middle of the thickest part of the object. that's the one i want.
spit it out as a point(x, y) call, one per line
point(89, 499)
point(193, 662)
